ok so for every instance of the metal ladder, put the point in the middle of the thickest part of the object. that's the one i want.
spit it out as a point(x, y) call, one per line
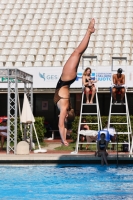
point(84, 105)
point(128, 122)
point(83, 114)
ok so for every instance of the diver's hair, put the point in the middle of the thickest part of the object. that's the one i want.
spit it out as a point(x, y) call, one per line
point(71, 115)
point(84, 73)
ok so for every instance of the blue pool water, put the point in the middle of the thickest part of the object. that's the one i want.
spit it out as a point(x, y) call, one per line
point(66, 182)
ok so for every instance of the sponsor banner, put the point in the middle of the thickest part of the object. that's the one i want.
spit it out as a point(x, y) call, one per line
point(47, 77)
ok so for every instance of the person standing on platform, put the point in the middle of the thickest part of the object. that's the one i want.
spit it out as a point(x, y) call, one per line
point(68, 76)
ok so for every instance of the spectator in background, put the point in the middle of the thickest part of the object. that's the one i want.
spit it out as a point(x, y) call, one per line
point(83, 138)
point(3, 132)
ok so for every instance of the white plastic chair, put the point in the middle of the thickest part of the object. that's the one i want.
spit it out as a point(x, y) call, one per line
point(38, 64)
point(56, 64)
point(27, 21)
point(4, 33)
point(128, 32)
point(58, 26)
point(46, 38)
point(119, 31)
point(109, 38)
point(32, 52)
point(110, 31)
point(28, 64)
point(69, 51)
point(9, 39)
point(42, 51)
point(127, 38)
point(112, 14)
point(18, 64)
point(12, 58)
point(71, 44)
point(113, 9)
point(5, 52)
point(53, 45)
point(108, 44)
point(111, 26)
point(9, 64)
point(107, 51)
point(60, 51)
point(46, 64)
point(49, 58)
point(98, 51)
point(37, 38)
point(62, 45)
point(48, 33)
point(1, 64)
point(44, 45)
point(55, 38)
point(38, 16)
point(102, 26)
point(51, 51)
point(40, 58)
point(73, 38)
point(17, 45)
point(44, 21)
point(97, 44)
point(28, 39)
point(65, 32)
point(24, 27)
point(126, 50)
point(62, 15)
point(117, 44)
point(128, 26)
point(2, 45)
point(116, 50)
point(118, 38)
point(127, 44)
point(3, 58)
point(58, 57)
point(14, 52)
point(34, 45)
point(30, 58)
point(106, 57)
point(35, 21)
point(23, 52)
point(21, 58)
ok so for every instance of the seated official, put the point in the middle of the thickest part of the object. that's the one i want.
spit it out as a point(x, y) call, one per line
point(83, 137)
point(89, 85)
point(118, 85)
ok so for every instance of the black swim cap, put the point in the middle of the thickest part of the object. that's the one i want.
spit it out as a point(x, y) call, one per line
point(119, 71)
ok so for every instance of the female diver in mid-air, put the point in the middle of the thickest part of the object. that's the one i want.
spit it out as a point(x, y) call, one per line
point(68, 76)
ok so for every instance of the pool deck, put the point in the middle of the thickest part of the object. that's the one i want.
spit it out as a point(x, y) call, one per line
point(61, 157)
point(53, 156)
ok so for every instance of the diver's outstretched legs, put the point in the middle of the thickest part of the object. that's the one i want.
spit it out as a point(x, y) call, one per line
point(70, 68)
